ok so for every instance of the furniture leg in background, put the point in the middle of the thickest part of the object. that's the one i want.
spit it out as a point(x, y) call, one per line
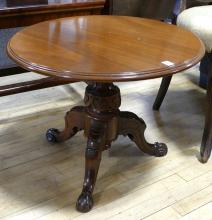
point(162, 92)
point(206, 145)
point(191, 19)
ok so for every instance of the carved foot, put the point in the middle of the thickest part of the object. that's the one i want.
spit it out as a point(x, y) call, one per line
point(160, 149)
point(74, 122)
point(134, 127)
point(95, 145)
point(52, 134)
point(84, 202)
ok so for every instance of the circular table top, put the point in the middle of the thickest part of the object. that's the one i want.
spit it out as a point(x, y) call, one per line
point(105, 48)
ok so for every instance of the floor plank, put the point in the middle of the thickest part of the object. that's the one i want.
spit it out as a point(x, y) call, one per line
point(42, 181)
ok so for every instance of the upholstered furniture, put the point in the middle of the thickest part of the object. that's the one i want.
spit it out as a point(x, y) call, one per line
point(199, 21)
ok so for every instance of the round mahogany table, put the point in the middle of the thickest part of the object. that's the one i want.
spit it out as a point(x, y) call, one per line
point(100, 50)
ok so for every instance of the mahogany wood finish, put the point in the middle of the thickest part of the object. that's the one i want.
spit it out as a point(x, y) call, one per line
point(23, 13)
point(102, 122)
point(32, 85)
point(105, 48)
point(206, 145)
point(100, 50)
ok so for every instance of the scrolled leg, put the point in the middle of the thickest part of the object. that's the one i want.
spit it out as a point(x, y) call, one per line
point(134, 127)
point(74, 122)
point(95, 145)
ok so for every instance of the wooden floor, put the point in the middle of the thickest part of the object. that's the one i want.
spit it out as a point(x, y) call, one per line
point(41, 181)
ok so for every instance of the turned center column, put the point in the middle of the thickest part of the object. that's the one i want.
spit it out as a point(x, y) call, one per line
point(102, 101)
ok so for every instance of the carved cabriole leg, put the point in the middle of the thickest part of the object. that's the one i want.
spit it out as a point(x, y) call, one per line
point(102, 102)
point(162, 92)
point(206, 145)
point(95, 146)
point(74, 122)
point(134, 127)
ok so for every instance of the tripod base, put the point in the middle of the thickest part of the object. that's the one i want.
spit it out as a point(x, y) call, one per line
point(102, 122)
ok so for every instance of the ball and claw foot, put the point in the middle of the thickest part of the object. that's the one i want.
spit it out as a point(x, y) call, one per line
point(51, 135)
point(84, 202)
point(160, 149)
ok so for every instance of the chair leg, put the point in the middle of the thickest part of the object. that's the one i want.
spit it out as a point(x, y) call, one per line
point(206, 145)
point(204, 71)
point(162, 92)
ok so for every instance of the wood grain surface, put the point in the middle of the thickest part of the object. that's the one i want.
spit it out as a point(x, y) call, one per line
point(105, 48)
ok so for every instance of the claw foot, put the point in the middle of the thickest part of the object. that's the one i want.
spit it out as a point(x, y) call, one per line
point(160, 149)
point(51, 135)
point(84, 202)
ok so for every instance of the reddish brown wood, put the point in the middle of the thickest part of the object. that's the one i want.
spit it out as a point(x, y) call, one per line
point(95, 144)
point(131, 125)
point(74, 122)
point(100, 50)
point(28, 12)
point(105, 48)
point(102, 122)
point(32, 85)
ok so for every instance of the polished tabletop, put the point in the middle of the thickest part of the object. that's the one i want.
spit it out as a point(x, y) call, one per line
point(105, 48)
